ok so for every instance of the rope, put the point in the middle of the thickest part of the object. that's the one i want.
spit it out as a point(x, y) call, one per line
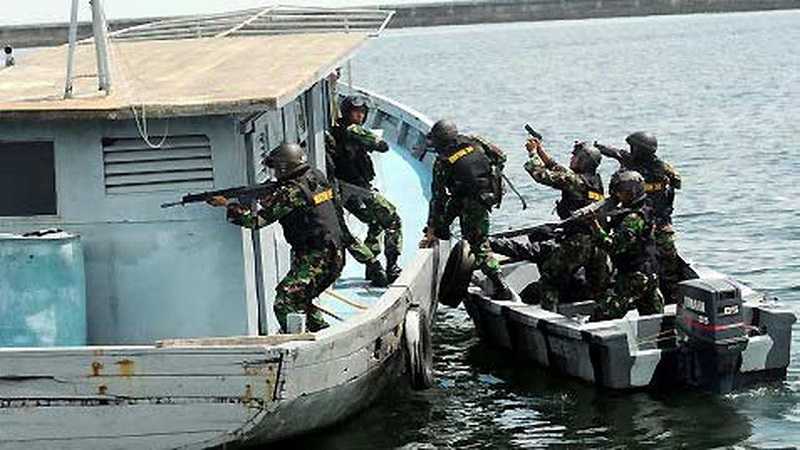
point(117, 56)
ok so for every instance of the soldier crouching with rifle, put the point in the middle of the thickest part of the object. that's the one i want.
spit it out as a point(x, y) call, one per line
point(630, 241)
point(304, 203)
point(580, 186)
point(661, 182)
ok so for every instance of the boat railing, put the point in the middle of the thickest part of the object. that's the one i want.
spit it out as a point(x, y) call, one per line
point(271, 20)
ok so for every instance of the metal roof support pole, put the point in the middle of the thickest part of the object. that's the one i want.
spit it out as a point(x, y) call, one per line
point(73, 40)
point(349, 61)
point(101, 45)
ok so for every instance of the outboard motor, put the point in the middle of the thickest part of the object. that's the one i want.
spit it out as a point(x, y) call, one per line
point(711, 333)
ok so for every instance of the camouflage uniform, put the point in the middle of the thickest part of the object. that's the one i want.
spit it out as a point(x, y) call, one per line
point(472, 211)
point(314, 267)
point(576, 249)
point(661, 181)
point(349, 162)
point(631, 246)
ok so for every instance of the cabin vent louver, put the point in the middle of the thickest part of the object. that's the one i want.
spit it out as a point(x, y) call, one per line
point(182, 163)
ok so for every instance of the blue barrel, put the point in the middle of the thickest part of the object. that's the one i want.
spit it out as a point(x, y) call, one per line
point(42, 291)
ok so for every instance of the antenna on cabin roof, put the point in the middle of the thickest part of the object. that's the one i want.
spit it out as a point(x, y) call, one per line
point(100, 32)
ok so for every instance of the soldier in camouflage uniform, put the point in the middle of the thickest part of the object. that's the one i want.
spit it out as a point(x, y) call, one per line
point(348, 146)
point(466, 185)
point(661, 181)
point(304, 204)
point(580, 185)
point(631, 243)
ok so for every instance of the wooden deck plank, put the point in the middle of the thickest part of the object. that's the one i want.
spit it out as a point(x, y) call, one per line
point(234, 341)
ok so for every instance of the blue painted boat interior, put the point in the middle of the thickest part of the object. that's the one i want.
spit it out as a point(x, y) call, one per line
point(405, 182)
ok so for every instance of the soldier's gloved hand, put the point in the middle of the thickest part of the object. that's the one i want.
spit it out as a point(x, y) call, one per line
point(382, 146)
point(235, 209)
point(217, 200)
point(428, 238)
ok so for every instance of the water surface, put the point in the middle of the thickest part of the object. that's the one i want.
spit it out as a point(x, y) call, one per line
point(722, 93)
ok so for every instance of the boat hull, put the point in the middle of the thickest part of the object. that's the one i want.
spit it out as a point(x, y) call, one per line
point(635, 352)
point(214, 393)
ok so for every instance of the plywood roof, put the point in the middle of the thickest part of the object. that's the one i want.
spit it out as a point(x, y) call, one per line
point(175, 78)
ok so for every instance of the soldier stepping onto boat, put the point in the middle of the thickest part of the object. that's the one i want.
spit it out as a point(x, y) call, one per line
point(349, 144)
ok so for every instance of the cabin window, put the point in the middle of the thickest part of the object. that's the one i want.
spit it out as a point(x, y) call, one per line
point(27, 179)
point(181, 163)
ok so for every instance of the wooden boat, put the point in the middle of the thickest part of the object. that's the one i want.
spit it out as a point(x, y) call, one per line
point(723, 336)
point(180, 347)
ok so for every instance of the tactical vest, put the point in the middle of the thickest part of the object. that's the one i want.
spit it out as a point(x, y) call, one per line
point(316, 226)
point(660, 194)
point(642, 256)
point(471, 171)
point(352, 161)
point(571, 202)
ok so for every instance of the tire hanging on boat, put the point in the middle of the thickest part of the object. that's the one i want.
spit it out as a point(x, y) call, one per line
point(457, 275)
point(419, 349)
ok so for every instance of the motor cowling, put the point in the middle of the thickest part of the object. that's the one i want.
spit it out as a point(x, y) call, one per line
point(711, 332)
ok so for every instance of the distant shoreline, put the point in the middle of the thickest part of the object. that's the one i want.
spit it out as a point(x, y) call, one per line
point(458, 13)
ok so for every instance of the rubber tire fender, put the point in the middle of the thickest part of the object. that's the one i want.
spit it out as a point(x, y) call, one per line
point(457, 275)
point(419, 349)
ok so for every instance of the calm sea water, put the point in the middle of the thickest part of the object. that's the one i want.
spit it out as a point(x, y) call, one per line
point(722, 93)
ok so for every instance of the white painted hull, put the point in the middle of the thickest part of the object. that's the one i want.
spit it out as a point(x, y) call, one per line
point(164, 398)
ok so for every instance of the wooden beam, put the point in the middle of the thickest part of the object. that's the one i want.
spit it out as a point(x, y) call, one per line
point(235, 341)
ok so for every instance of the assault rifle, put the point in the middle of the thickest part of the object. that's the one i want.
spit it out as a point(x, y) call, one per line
point(245, 194)
point(547, 231)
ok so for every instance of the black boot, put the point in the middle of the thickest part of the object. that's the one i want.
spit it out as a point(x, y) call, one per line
point(375, 274)
point(501, 289)
point(392, 269)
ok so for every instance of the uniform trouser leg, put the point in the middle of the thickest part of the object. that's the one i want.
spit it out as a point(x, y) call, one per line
point(598, 272)
point(360, 252)
point(515, 249)
point(635, 290)
point(474, 221)
point(669, 262)
point(381, 218)
point(312, 272)
point(543, 292)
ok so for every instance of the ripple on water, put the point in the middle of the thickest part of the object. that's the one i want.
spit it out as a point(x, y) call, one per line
point(719, 90)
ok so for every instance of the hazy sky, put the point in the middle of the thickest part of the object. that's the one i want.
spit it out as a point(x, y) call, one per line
point(39, 11)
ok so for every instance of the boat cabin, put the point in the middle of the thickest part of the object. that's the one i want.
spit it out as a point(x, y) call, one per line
point(182, 116)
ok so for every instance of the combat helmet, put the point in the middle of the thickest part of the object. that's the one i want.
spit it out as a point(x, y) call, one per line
point(286, 160)
point(587, 157)
point(627, 186)
point(352, 102)
point(643, 144)
point(443, 133)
